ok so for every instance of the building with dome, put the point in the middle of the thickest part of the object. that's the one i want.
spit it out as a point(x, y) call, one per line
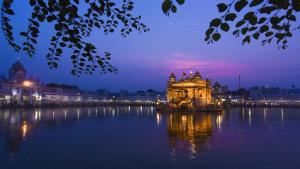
point(19, 89)
point(17, 73)
point(189, 91)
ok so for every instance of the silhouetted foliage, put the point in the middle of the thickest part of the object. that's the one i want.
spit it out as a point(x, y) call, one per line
point(6, 11)
point(265, 20)
point(72, 28)
point(170, 6)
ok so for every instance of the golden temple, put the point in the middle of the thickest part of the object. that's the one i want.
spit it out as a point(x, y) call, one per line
point(189, 91)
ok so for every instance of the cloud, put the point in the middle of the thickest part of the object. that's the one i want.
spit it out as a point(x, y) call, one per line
point(179, 62)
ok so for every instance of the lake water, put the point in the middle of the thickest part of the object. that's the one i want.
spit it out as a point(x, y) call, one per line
point(141, 138)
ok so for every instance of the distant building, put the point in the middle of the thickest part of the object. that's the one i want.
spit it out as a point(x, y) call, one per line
point(20, 89)
point(191, 91)
point(17, 73)
point(272, 93)
point(149, 96)
point(58, 94)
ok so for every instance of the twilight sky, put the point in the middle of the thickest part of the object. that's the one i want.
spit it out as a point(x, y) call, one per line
point(174, 44)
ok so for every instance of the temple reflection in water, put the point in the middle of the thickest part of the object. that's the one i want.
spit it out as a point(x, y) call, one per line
point(189, 131)
point(186, 134)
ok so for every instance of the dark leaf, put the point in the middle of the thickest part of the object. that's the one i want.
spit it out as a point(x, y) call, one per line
point(216, 36)
point(180, 2)
point(268, 34)
point(209, 31)
point(268, 9)
point(240, 23)
point(264, 28)
point(166, 5)
point(222, 7)
point(215, 22)
point(256, 2)
point(32, 2)
point(240, 5)
point(246, 40)
point(253, 20)
point(10, 12)
point(245, 30)
point(230, 17)
point(296, 5)
point(262, 20)
point(256, 35)
point(173, 9)
point(225, 27)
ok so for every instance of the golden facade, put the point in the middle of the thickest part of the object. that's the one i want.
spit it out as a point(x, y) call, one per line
point(189, 92)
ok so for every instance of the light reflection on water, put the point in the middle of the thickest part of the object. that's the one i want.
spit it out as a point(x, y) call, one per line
point(233, 138)
point(189, 132)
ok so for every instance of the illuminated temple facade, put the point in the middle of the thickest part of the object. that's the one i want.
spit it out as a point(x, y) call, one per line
point(189, 91)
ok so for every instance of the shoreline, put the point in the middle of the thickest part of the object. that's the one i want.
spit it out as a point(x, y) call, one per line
point(263, 105)
point(74, 104)
point(117, 104)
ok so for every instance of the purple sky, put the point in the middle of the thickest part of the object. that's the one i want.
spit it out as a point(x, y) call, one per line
point(173, 44)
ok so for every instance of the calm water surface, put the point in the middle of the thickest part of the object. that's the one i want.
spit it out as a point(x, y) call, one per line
point(141, 138)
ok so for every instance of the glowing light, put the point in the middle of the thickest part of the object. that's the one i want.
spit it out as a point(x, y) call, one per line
point(65, 114)
point(152, 109)
point(7, 97)
point(36, 115)
point(27, 83)
point(158, 119)
point(113, 112)
point(250, 118)
point(37, 96)
point(282, 114)
point(24, 129)
point(78, 114)
point(219, 121)
point(191, 73)
point(14, 92)
point(265, 113)
point(184, 119)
